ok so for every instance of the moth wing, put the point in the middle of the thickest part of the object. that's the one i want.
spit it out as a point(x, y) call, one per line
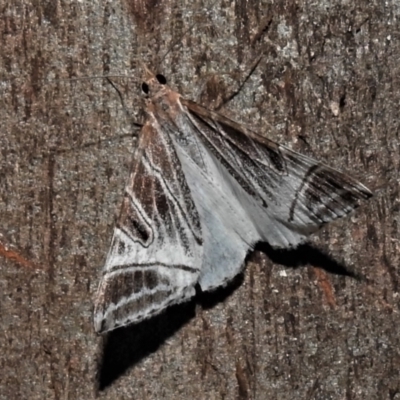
point(156, 248)
point(228, 233)
point(284, 196)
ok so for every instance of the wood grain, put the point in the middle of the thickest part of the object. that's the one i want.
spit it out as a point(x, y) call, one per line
point(327, 85)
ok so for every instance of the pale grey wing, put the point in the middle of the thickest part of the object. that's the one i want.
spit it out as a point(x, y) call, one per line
point(296, 194)
point(156, 251)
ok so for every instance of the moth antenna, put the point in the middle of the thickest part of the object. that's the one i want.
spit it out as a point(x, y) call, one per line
point(133, 122)
point(238, 90)
point(84, 78)
point(178, 41)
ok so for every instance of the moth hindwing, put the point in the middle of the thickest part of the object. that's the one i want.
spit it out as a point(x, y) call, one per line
point(203, 190)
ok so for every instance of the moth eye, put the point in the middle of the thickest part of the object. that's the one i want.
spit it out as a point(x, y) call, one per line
point(145, 87)
point(161, 79)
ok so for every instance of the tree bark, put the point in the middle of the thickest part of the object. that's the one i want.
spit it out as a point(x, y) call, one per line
point(318, 322)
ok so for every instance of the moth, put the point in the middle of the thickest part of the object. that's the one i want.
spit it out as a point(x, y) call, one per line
point(202, 191)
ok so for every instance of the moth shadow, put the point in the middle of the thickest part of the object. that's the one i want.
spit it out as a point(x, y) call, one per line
point(125, 347)
point(300, 256)
point(307, 254)
point(210, 299)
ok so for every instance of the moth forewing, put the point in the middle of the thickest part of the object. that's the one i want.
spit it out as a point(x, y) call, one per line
point(297, 194)
point(202, 192)
point(156, 251)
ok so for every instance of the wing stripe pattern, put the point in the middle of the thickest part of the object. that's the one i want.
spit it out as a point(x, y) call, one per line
point(299, 194)
point(237, 161)
point(144, 266)
point(155, 255)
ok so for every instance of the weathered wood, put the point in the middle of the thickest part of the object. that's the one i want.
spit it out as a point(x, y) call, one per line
point(320, 322)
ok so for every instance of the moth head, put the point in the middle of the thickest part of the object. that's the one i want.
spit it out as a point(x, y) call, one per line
point(152, 84)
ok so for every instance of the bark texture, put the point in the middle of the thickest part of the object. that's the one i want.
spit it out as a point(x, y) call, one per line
point(320, 322)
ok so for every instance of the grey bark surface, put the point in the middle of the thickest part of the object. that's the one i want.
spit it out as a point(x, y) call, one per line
point(319, 322)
